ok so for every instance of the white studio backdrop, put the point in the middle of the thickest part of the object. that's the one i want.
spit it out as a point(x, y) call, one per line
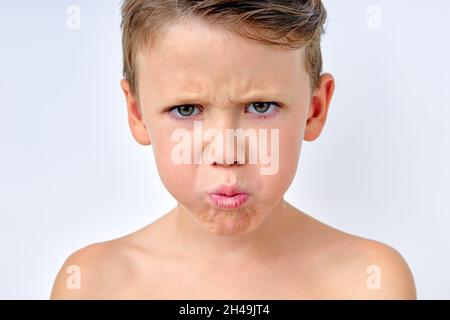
point(71, 173)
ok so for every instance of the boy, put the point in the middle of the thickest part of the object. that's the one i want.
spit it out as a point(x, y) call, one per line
point(252, 67)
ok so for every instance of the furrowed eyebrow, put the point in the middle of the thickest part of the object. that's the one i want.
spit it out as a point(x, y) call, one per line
point(256, 96)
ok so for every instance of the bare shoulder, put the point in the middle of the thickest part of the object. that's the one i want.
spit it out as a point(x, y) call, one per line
point(114, 269)
point(373, 270)
point(353, 267)
point(97, 271)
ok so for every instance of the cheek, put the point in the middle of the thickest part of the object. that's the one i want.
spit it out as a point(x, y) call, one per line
point(177, 178)
point(275, 185)
point(290, 144)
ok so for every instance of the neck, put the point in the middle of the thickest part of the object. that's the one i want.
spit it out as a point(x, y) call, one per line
point(270, 237)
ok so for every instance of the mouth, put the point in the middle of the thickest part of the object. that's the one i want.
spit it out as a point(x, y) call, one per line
point(229, 197)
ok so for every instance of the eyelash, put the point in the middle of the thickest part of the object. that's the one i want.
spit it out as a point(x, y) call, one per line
point(277, 105)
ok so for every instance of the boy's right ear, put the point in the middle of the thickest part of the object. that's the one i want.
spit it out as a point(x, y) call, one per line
point(135, 118)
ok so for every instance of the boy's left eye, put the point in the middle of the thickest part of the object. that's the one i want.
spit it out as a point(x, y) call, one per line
point(262, 108)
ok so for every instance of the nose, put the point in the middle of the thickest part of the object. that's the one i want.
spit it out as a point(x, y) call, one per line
point(224, 148)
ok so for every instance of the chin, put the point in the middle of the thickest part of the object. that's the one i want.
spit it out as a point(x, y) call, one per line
point(230, 222)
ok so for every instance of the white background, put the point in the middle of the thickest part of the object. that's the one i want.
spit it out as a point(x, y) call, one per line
point(71, 173)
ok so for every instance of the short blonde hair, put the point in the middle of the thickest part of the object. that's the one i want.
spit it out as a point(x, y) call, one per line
point(286, 23)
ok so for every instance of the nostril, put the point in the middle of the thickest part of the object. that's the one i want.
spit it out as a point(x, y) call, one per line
point(225, 164)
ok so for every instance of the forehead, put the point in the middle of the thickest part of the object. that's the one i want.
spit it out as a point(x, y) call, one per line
point(196, 57)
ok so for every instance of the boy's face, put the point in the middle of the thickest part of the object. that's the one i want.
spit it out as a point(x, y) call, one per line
point(223, 81)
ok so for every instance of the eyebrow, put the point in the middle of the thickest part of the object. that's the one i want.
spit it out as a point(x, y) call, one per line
point(253, 96)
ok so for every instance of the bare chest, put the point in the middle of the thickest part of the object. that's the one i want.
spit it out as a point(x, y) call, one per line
point(180, 282)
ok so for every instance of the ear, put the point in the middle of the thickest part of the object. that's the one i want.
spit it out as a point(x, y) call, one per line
point(318, 109)
point(135, 119)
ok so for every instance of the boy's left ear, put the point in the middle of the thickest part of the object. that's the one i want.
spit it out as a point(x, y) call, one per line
point(135, 120)
point(318, 109)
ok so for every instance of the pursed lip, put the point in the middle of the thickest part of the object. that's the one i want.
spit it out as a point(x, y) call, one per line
point(228, 197)
point(229, 190)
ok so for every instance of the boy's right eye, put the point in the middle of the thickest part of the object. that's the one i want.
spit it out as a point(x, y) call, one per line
point(184, 111)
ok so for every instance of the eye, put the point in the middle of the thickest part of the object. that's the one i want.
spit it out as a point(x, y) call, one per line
point(265, 109)
point(184, 111)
